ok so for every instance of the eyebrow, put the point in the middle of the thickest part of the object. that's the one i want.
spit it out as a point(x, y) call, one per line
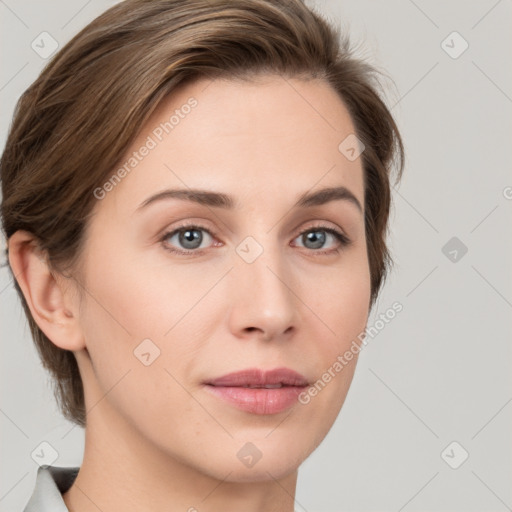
point(224, 201)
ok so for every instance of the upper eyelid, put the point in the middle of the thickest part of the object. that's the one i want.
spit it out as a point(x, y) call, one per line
point(321, 224)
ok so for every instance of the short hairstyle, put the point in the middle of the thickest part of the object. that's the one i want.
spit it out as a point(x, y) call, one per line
point(77, 119)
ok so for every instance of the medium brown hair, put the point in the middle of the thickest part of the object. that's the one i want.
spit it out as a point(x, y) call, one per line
point(78, 118)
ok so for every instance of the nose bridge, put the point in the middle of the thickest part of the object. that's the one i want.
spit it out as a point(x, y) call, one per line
point(264, 297)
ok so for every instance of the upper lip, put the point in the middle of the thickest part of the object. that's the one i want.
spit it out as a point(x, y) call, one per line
point(255, 377)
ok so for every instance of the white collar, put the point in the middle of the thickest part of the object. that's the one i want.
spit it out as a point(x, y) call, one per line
point(51, 483)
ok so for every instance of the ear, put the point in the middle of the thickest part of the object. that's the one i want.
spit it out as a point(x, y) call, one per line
point(49, 295)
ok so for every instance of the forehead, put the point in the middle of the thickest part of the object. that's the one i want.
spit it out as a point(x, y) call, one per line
point(270, 137)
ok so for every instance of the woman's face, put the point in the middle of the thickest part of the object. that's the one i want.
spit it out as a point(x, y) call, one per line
point(244, 289)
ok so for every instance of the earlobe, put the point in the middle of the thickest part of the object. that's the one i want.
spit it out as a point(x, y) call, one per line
point(48, 294)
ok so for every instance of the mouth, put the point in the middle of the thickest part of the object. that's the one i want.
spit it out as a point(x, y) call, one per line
point(257, 391)
point(256, 378)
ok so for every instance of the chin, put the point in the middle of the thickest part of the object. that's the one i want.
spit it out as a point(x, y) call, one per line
point(260, 460)
point(261, 472)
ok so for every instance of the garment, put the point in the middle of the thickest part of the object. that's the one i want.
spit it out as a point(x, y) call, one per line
point(51, 483)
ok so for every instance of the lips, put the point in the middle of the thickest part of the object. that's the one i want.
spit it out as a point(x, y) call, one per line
point(256, 378)
point(257, 391)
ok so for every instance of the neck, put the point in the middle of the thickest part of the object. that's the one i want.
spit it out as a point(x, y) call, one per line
point(121, 470)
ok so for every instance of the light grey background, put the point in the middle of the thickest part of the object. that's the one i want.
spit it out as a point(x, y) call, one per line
point(440, 371)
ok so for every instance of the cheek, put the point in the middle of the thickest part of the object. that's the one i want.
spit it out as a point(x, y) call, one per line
point(134, 365)
point(344, 308)
point(134, 315)
point(341, 300)
point(342, 304)
point(131, 302)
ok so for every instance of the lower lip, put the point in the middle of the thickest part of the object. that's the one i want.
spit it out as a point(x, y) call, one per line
point(258, 400)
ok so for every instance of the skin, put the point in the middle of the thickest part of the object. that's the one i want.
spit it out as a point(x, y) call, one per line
point(153, 432)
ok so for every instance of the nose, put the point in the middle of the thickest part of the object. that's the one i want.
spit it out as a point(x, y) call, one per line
point(264, 304)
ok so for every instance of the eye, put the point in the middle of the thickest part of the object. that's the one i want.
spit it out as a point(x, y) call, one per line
point(315, 237)
point(189, 237)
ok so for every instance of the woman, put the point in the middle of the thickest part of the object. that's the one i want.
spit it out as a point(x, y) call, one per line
point(196, 197)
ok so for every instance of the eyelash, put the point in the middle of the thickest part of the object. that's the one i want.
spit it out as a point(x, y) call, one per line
point(342, 239)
